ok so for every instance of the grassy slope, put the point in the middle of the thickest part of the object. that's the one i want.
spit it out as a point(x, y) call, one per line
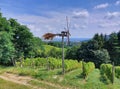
point(47, 48)
point(71, 79)
point(9, 85)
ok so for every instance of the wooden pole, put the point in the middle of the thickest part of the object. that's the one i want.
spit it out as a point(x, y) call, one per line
point(63, 70)
point(113, 72)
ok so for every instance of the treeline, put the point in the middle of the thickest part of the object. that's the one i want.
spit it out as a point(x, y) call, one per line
point(17, 42)
point(100, 49)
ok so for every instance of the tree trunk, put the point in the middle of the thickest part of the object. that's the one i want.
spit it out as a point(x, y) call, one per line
point(21, 60)
point(12, 61)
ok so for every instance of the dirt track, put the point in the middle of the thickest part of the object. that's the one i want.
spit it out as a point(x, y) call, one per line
point(25, 81)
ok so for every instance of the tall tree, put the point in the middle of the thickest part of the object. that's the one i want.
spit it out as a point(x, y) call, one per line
point(113, 48)
point(90, 51)
point(99, 39)
point(22, 38)
point(101, 56)
point(6, 49)
point(25, 43)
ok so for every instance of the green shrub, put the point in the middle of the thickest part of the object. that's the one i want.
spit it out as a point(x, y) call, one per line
point(72, 64)
point(106, 71)
point(87, 68)
point(117, 71)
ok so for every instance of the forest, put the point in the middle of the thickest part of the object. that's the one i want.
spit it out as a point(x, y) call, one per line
point(24, 54)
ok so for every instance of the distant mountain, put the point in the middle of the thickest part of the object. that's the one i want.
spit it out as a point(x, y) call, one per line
point(73, 39)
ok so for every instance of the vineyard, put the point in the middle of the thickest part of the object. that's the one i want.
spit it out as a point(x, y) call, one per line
point(77, 75)
point(50, 63)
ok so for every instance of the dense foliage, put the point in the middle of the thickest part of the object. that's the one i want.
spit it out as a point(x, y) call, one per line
point(16, 42)
point(6, 49)
point(117, 71)
point(100, 49)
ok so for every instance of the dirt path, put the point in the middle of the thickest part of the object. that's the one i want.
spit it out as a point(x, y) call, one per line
point(25, 81)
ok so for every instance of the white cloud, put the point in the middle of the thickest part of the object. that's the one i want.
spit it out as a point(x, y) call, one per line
point(78, 26)
point(111, 15)
point(117, 2)
point(40, 25)
point(81, 14)
point(101, 6)
point(109, 24)
point(85, 24)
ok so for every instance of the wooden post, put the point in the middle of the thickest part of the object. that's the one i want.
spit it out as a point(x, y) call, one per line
point(48, 64)
point(113, 72)
point(83, 69)
point(63, 34)
point(63, 70)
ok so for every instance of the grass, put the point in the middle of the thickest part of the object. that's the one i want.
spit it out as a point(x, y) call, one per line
point(10, 85)
point(42, 85)
point(72, 79)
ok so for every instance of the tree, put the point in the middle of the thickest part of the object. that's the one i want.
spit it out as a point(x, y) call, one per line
point(36, 48)
point(6, 46)
point(71, 53)
point(85, 51)
point(4, 24)
point(89, 51)
point(113, 48)
point(101, 56)
point(6, 49)
point(22, 38)
point(99, 39)
point(26, 44)
point(17, 42)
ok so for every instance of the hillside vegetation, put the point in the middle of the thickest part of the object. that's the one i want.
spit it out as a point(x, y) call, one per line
point(72, 79)
point(93, 64)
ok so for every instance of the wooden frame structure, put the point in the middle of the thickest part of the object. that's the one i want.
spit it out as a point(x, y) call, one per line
point(50, 36)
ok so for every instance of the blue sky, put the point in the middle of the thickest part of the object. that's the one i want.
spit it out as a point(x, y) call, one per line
point(86, 17)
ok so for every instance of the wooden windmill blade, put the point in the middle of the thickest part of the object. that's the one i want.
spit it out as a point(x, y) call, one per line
point(68, 38)
point(49, 36)
point(68, 33)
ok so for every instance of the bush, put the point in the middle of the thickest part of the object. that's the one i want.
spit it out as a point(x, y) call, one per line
point(106, 71)
point(87, 68)
point(117, 71)
point(72, 64)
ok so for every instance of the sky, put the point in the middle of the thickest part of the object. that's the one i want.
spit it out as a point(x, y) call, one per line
point(85, 17)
